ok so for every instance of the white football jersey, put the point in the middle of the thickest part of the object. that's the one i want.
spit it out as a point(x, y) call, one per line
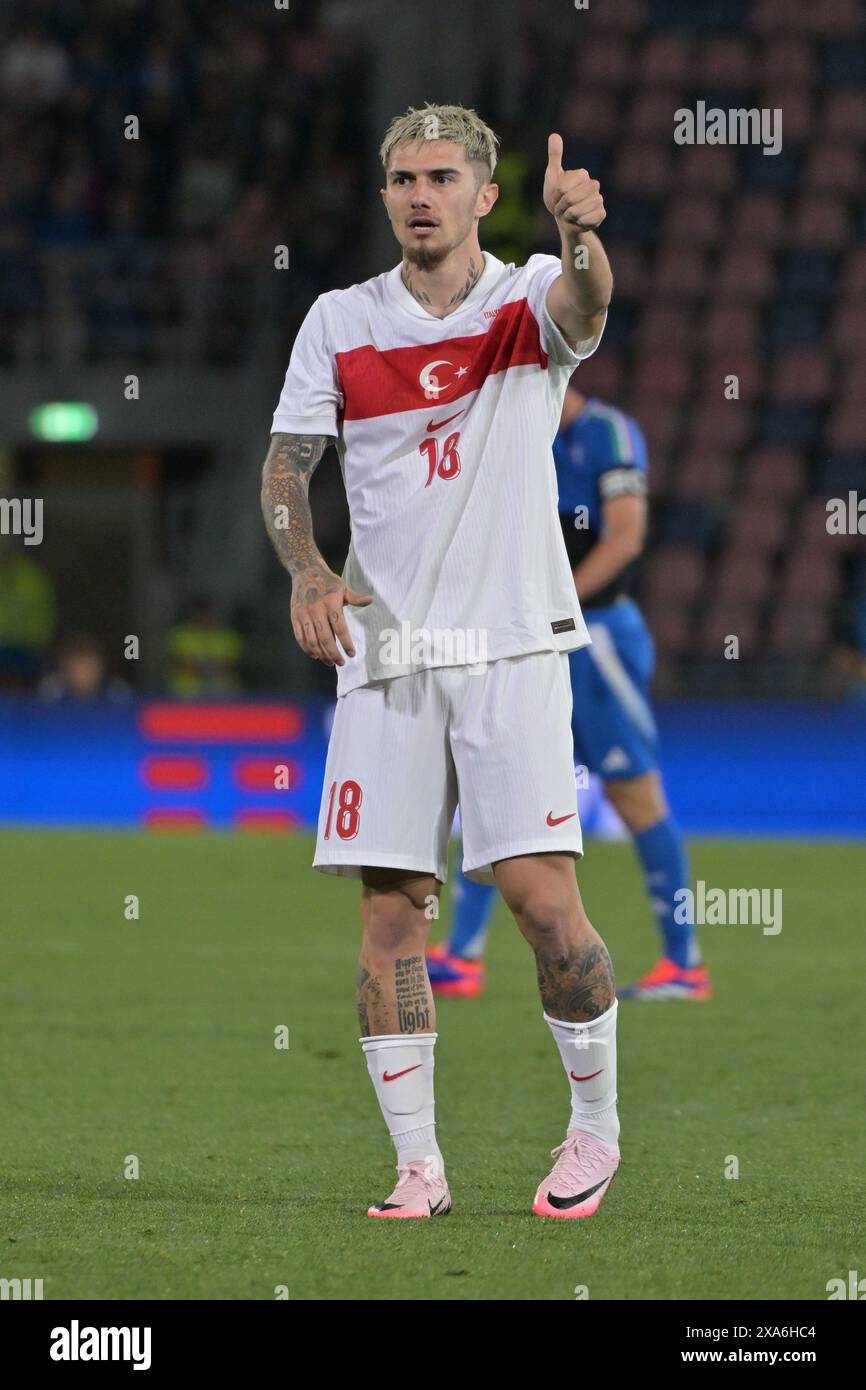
point(444, 430)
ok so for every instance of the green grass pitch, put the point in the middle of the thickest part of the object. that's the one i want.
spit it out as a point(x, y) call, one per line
point(155, 1038)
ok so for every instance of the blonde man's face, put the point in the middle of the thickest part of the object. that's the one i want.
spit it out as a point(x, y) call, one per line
point(432, 198)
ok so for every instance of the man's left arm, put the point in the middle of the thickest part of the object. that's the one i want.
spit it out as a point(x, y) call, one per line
point(577, 300)
point(622, 541)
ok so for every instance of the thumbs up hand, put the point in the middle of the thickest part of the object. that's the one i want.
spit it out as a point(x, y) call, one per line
point(571, 196)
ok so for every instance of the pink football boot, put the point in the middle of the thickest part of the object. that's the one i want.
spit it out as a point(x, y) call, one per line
point(421, 1191)
point(585, 1168)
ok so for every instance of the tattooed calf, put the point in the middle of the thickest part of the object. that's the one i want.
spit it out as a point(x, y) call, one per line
point(412, 992)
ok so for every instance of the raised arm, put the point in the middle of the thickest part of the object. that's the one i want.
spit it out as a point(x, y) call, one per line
point(318, 595)
point(577, 300)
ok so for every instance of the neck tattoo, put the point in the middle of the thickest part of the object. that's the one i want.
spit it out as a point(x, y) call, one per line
point(472, 278)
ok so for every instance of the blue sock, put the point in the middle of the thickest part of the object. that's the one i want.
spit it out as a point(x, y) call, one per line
point(662, 853)
point(473, 904)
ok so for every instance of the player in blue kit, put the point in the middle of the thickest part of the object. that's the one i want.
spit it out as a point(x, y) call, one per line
point(601, 468)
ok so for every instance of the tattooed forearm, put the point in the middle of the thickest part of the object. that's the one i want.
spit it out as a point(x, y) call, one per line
point(576, 985)
point(457, 298)
point(292, 459)
point(412, 992)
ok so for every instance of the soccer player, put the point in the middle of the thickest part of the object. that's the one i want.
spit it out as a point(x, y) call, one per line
point(601, 469)
point(442, 382)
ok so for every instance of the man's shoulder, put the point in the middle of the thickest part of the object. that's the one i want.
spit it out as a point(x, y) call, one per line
point(355, 295)
point(615, 429)
point(540, 263)
point(603, 412)
point(339, 315)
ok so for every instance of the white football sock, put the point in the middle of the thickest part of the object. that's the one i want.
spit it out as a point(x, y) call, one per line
point(401, 1069)
point(588, 1052)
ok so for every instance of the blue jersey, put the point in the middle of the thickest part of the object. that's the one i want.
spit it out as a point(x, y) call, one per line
point(600, 455)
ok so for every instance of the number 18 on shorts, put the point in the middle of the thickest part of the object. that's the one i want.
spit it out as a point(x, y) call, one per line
point(403, 752)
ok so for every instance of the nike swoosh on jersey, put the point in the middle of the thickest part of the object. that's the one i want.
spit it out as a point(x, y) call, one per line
point(437, 425)
point(557, 820)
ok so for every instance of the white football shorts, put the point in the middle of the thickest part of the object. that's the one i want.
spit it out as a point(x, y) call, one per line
point(403, 752)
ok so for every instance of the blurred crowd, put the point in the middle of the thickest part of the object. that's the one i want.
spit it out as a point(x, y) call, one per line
point(234, 106)
point(144, 130)
point(203, 655)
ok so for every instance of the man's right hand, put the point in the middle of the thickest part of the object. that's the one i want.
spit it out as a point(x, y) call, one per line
point(318, 620)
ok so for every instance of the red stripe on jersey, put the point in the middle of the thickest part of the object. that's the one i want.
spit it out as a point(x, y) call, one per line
point(377, 383)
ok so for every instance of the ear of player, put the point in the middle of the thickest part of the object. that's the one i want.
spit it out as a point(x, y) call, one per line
point(571, 195)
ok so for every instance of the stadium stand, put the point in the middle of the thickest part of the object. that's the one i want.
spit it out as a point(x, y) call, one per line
point(738, 331)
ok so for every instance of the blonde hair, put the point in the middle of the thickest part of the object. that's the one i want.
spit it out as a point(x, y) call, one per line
point(459, 124)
